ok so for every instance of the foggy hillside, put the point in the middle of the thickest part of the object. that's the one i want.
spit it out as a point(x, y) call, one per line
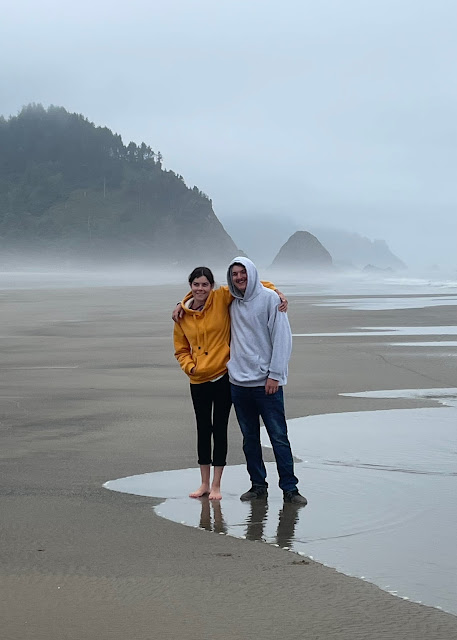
point(354, 250)
point(73, 190)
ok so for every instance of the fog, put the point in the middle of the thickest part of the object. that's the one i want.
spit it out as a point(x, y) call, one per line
point(289, 115)
point(439, 288)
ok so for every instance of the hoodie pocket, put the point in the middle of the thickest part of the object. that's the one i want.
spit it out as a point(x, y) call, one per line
point(211, 364)
point(246, 368)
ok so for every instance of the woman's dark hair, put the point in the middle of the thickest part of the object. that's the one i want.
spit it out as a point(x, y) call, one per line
point(198, 272)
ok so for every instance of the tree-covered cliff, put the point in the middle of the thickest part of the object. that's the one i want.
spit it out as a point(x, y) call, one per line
point(74, 189)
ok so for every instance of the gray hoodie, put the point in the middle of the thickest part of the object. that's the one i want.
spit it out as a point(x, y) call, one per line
point(261, 340)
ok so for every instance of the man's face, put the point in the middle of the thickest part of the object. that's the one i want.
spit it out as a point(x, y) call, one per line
point(239, 277)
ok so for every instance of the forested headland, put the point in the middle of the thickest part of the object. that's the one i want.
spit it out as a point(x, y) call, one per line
point(73, 190)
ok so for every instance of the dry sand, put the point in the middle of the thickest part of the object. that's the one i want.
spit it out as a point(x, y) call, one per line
point(90, 392)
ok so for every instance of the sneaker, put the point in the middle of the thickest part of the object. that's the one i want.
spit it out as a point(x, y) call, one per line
point(295, 498)
point(254, 493)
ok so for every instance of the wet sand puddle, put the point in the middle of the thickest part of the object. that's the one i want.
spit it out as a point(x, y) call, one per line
point(441, 330)
point(381, 487)
point(384, 303)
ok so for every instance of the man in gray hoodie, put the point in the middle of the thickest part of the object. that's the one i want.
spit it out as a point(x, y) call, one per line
point(260, 348)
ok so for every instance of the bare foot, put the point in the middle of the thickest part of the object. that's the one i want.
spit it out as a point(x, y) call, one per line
point(215, 493)
point(200, 492)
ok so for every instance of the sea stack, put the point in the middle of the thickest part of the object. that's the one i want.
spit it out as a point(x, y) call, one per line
point(303, 251)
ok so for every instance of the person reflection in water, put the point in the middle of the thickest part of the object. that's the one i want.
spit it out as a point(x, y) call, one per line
point(288, 519)
point(256, 520)
point(287, 522)
point(215, 523)
point(212, 519)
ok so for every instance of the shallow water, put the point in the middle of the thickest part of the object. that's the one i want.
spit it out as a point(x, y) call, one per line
point(370, 284)
point(440, 330)
point(437, 343)
point(388, 303)
point(381, 487)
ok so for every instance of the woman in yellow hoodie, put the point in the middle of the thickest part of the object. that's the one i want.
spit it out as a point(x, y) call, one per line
point(202, 348)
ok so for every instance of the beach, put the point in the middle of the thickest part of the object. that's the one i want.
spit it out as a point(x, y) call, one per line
point(91, 392)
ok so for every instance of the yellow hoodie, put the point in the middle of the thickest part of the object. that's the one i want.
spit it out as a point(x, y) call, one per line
point(202, 338)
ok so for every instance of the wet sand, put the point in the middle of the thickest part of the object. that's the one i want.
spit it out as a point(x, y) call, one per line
point(90, 391)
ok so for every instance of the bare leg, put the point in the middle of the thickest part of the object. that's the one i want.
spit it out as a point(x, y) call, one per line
point(204, 488)
point(215, 493)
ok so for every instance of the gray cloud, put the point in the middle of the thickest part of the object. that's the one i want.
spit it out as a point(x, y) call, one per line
point(339, 112)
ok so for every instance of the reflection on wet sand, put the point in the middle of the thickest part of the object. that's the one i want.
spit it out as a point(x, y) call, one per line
point(288, 520)
point(212, 519)
point(255, 522)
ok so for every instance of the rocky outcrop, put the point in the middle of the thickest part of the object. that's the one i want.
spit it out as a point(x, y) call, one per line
point(303, 251)
point(371, 268)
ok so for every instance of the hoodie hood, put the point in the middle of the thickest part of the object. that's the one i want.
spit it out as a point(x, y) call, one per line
point(254, 286)
point(189, 298)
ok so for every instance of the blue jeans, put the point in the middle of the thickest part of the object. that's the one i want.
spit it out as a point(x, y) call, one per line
point(250, 403)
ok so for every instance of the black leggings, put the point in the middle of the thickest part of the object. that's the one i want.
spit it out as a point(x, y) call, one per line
point(212, 402)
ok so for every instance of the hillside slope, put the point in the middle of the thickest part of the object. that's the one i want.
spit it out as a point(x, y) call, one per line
point(72, 189)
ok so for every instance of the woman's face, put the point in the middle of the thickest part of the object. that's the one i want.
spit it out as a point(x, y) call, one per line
point(201, 288)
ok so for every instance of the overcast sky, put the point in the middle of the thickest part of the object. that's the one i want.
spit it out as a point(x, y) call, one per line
point(340, 113)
